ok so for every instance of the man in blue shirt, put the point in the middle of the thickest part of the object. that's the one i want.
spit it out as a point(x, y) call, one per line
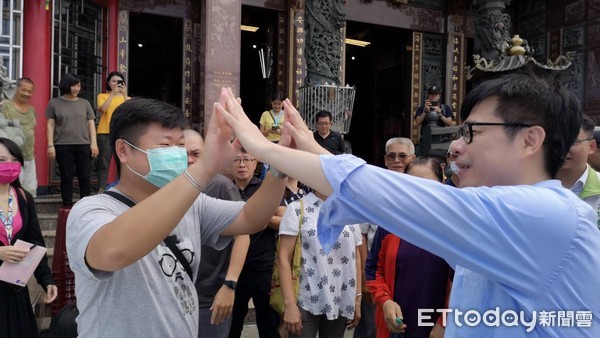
point(524, 248)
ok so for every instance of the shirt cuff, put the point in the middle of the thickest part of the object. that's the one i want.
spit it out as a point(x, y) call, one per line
point(336, 170)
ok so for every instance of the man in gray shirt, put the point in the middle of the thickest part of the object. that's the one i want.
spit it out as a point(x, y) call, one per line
point(128, 282)
point(219, 270)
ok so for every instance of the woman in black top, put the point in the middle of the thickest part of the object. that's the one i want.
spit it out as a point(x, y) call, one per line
point(18, 220)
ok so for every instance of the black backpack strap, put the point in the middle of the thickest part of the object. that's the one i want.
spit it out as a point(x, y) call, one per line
point(170, 241)
point(121, 198)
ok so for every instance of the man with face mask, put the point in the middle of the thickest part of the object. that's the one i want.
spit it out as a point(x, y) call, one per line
point(135, 249)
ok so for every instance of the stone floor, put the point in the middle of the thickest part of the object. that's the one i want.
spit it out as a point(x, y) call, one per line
point(250, 331)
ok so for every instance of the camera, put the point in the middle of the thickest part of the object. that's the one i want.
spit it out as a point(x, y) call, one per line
point(434, 103)
point(121, 83)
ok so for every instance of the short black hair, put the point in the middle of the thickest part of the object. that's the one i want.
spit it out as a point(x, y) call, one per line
point(588, 125)
point(534, 97)
point(66, 82)
point(15, 151)
point(277, 96)
point(597, 135)
point(132, 118)
point(110, 75)
point(439, 154)
point(432, 163)
point(323, 113)
point(22, 80)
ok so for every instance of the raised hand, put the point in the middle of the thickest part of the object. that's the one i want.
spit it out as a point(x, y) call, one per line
point(232, 115)
point(218, 152)
point(301, 137)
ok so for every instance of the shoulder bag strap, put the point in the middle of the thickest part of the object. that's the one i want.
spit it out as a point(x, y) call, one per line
point(170, 241)
point(121, 198)
point(301, 217)
point(298, 245)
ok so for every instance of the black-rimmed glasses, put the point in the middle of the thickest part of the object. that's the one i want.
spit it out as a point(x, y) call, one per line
point(239, 161)
point(466, 131)
point(578, 141)
point(394, 156)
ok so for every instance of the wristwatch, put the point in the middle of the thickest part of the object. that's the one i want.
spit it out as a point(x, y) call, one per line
point(276, 173)
point(230, 284)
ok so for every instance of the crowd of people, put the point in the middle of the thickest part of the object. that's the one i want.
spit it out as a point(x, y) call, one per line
point(191, 231)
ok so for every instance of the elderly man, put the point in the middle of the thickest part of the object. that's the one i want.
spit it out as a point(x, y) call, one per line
point(19, 108)
point(399, 152)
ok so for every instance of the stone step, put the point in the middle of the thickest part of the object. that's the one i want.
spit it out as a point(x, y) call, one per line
point(49, 237)
point(48, 204)
point(48, 220)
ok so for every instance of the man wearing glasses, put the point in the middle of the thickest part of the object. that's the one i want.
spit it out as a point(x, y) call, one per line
point(327, 138)
point(524, 248)
point(576, 174)
point(399, 152)
point(254, 281)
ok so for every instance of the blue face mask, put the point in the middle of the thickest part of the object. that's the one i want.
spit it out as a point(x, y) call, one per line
point(165, 164)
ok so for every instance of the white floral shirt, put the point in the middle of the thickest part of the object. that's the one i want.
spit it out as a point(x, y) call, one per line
point(327, 281)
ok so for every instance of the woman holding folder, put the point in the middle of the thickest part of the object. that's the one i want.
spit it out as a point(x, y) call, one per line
point(18, 220)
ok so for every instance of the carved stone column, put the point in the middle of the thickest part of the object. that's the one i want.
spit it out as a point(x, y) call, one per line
point(492, 29)
point(222, 50)
point(324, 22)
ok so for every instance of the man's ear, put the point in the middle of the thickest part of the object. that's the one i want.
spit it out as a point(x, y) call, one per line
point(593, 147)
point(533, 139)
point(122, 150)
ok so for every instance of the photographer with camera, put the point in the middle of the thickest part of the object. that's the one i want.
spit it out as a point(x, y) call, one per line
point(116, 94)
point(433, 110)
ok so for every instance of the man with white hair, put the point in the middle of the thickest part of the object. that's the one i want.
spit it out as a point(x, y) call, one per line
point(399, 152)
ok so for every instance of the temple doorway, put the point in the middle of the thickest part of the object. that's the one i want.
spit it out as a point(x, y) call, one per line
point(381, 73)
point(156, 57)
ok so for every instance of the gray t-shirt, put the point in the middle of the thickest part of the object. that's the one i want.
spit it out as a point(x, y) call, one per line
point(214, 264)
point(153, 297)
point(71, 120)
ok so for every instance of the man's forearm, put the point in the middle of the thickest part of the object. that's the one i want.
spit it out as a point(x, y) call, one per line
point(302, 165)
point(120, 242)
point(238, 257)
point(447, 120)
point(259, 208)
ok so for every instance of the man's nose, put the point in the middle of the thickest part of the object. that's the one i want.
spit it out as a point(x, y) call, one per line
point(457, 147)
